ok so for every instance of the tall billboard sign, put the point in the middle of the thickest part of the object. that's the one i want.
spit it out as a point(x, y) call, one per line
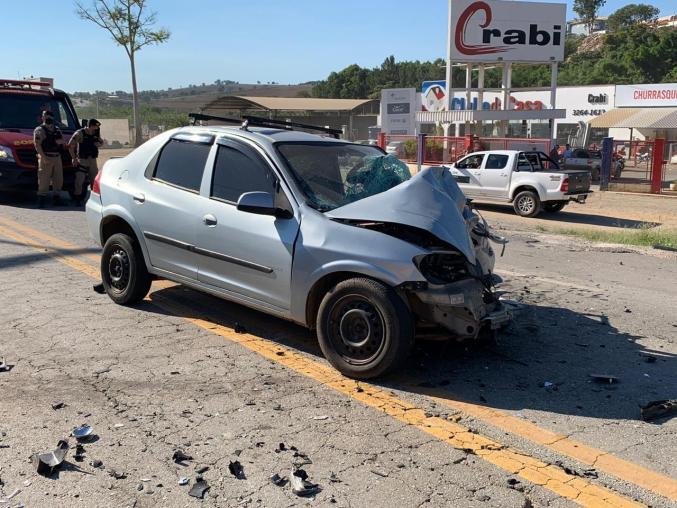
point(398, 111)
point(490, 31)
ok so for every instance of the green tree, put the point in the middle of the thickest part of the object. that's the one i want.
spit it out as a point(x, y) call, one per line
point(587, 11)
point(132, 27)
point(632, 14)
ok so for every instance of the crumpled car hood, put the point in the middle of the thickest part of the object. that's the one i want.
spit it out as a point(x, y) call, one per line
point(431, 200)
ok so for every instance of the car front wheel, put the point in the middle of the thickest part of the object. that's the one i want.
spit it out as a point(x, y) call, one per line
point(123, 270)
point(364, 328)
point(527, 204)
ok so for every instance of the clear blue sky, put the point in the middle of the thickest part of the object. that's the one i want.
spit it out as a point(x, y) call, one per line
point(288, 41)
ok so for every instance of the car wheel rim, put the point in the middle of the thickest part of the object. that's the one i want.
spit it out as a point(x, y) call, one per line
point(526, 204)
point(119, 269)
point(356, 330)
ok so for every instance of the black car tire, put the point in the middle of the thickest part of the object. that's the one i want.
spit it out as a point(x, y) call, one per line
point(123, 270)
point(554, 206)
point(364, 328)
point(527, 204)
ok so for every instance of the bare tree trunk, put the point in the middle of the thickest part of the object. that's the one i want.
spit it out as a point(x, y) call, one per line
point(135, 105)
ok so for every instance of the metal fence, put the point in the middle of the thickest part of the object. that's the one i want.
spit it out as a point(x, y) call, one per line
point(442, 150)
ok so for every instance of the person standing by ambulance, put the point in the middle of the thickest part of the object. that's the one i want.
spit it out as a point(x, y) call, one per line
point(48, 141)
point(87, 142)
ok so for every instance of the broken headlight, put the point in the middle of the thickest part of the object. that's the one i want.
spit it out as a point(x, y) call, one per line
point(442, 267)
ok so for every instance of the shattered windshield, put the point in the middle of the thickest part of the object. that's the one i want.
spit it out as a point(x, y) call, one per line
point(332, 175)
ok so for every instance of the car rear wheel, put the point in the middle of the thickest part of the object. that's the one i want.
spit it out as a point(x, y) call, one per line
point(123, 270)
point(554, 206)
point(527, 204)
point(364, 328)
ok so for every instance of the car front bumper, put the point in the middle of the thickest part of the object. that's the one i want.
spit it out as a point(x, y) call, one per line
point(462, 309)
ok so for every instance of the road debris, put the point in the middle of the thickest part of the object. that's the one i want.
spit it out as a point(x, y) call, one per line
point(202, 469)
point(47, 463)
point(301, 486)
point(333, 478)
point(321, 417)
point(278, 480)
point(96, 463)
point(180, 457)
point(99, 288)
point(118, 475)
point(301, 459)
point(82, 432)
point(604, 378)
point(237, 470)
point(382, 474)
point(658, 409)
point(4, 367)
point(183, 480)
point(58, 405)
point(79, 453)
point(281, 448)
point(199, 488)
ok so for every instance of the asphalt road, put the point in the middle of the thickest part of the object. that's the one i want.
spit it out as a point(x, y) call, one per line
point(515, 423)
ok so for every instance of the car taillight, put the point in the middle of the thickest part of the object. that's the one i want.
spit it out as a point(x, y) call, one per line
point(96, 187)
point(565, 185)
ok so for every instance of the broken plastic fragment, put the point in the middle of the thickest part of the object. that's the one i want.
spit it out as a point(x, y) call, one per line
point(198, 489)
point(82, 432)
point(301, 486)
point(58, 405)
point(658, 409)
point(203, 469)
point(278, 480)
point(604, 378)
point(237, 470)
point(179, 457)
point(47, 463)
point(4, 367)
point(183, 481)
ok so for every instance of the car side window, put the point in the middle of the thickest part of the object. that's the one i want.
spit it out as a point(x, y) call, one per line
point(496, 161)
point(236, 173)
point(181, 164)
point(471, 162)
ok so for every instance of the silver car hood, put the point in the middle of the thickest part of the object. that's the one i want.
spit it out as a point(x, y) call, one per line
point(431, 200)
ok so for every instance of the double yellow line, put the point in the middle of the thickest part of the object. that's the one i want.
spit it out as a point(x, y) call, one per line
point(549, 476)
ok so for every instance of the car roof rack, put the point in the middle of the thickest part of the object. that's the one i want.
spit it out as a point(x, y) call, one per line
point(22, 84)
point(255, 121)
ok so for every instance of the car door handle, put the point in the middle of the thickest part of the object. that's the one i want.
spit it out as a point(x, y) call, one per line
point(209, 220)
point(139, 198)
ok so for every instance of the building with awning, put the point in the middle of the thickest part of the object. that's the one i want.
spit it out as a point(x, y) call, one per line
point(354, 116)
point(659, 122)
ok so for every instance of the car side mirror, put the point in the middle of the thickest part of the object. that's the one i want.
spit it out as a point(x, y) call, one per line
point(260, 203)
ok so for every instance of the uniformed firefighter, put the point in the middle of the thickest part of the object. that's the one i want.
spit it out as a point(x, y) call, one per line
point(48, 141)
point(84, 148)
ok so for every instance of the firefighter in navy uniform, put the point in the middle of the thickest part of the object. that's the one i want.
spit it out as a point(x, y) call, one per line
point(48, 141)
point(87, 142)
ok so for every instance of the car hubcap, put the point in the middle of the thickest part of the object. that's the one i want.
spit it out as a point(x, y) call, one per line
point(118, 269)
point(356, 329)
point(526, 204)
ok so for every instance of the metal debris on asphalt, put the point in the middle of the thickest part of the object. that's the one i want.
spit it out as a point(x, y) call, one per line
point(99, 288)
point(237, 470)
point(47, 463)
point(604, 378)
point(198, 489)
point(183, 480)
point(82, 432)
point(658, 409)
point(278, 480)
point(180, 456)
point(301, 486)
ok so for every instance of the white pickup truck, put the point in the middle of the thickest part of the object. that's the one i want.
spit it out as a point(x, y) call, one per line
point(531, 181)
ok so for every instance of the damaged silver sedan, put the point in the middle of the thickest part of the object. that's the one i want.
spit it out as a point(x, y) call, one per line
point(332, 235)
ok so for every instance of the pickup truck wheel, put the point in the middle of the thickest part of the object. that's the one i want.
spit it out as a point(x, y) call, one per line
point(123, 270)
point(364, 328)
point(527, 204)
point(554, 206)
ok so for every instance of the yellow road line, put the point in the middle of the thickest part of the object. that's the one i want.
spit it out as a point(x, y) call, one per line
point(594, 457)
point(458, 436)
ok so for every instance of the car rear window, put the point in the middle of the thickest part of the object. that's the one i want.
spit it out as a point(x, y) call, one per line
point(182, 164)
point(236, 173)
